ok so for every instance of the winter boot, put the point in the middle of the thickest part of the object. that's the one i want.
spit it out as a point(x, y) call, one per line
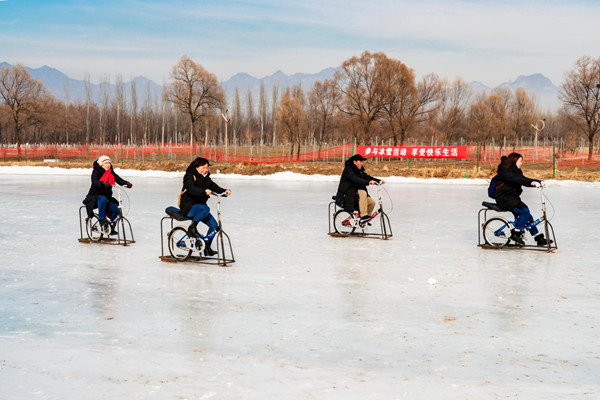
point(192, 231)
point(208, 251)
point(517, 237)
point(113, 226)
point(541, 240)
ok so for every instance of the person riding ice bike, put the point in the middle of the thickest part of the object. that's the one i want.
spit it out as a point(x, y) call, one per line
point(352, 191)
point(197, 188)
point(100, 194)
point(508, 191)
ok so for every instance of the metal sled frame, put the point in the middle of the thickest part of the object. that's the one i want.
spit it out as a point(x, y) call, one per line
point(221, 239)
point(384, 222)
point(548, 231)
point(121, 239)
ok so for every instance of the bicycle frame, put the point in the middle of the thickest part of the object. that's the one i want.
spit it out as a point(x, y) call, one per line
point(548, 229)
point(219, 237)
point(354, 221)
point(124, 223)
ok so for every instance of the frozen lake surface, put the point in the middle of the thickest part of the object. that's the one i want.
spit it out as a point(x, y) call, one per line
point(299, 315)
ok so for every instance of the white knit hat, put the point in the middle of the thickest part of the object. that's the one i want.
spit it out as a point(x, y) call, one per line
point(103, 159)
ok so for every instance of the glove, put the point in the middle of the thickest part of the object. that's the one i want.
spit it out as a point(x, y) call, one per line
point(536, 184)
point(129, 185)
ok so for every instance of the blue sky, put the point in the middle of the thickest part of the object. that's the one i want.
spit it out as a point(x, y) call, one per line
point(489, 41)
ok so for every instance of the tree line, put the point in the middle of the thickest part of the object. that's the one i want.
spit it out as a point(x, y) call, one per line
point(372, 98)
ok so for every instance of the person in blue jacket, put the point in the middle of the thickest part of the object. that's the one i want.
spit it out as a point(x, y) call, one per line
point(508, 191)
point(197, 188)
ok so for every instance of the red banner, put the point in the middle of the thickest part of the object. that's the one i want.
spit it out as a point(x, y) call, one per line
point(456, 152)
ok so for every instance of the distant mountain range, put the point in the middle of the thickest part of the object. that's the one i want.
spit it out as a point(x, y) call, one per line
point(63, 87)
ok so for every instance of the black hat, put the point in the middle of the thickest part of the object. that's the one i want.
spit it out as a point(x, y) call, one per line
point(357, 157)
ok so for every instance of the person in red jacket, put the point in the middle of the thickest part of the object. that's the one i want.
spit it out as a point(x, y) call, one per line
point(100, 193)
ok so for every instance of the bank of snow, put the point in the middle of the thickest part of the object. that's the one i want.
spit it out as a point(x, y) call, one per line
point(279, 176)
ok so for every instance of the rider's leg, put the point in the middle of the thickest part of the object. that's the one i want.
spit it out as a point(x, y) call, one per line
point(522, 215)
point(370, 205)
point(114, 211)
point(365, 204)
point(101, 207)
point(197, 213)
point(212, 224)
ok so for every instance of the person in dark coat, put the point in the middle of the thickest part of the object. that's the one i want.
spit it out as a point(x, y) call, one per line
point(100, 194)
point(197, 188)
point(508, 191)
point(353, 187)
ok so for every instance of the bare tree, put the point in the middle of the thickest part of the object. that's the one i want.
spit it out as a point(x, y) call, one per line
point(274, 105)
point(400, 98)
point(24, 97)
point(88, 106)
point(262, 111)
point(104, 101)
point(238, 116)
point(361, 93)
point(580, 94)
point(323, 99)
point(522, 113)
point(249, 116)
point(454, 101)
point(119, 105)
point(133, 116)
point(194, 91)
point(292, 116)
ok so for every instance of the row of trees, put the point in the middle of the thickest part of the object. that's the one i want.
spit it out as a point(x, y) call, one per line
point(371, 98)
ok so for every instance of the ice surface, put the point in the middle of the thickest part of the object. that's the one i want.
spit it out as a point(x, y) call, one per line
point(300, 315)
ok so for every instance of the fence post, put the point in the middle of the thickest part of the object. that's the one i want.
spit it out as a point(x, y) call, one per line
point(87, 149)
point(121, 155)
point(159, 156)
point(55, 151)
point(477, 155)
point(200, 148)
point(553, 159)
point(353, 146)
point(25, 153)
point(408, 145)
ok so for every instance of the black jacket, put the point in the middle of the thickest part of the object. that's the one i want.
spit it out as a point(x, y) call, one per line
point(509, 187)
point(99, 188)
point(194, 189)
point(353, 180)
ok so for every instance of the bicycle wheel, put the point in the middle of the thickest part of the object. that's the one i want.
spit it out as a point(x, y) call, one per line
point(180, 244)
point(342, 222)
point(93, 228)
point(496, 232)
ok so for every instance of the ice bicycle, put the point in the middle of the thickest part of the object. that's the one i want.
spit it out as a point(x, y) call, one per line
point(343, 223)
point(496, 231)
point(97, 233)
point(181, 245)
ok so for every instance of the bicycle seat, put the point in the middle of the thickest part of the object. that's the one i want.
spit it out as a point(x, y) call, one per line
point(176, 214)
point(492, 206)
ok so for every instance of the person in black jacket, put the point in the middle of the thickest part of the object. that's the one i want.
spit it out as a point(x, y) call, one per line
point(508, 191)
point(100, 194)
point(353, 187)
point(197, 188)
